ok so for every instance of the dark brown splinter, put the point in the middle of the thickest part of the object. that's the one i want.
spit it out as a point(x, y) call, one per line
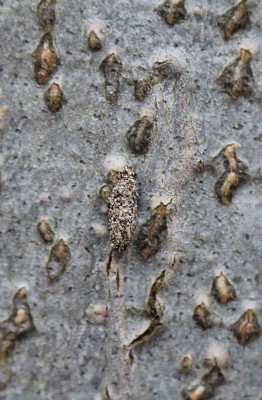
point(45, 59)
point(122, 208)
point(94, 43)
point(154, 311)
point(147, 334)
point(152, 232)
point(139, 134)
point(54, 97)
point(46, 14)
point(111, 68)
point(202, 316)
point(235, 18)
point(45, 231)
point(58, 259)
point(206, 387)
point(154, 308)
point(247, 327)
point(172, 11)
point(222, 289)
point(237, 78)
point(233, 177)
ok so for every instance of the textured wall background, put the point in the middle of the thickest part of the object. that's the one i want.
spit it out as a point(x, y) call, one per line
point(47, 159)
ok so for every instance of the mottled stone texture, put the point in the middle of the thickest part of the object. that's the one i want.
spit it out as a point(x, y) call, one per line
point(45, 156)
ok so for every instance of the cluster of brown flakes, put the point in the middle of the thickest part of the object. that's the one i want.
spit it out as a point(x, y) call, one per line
point(235, 18)
point(59, 255)
point(206, 386)
point(111, 69)
point(45, 57)
point(172, 11)
point(14, 329)
point(122, 208)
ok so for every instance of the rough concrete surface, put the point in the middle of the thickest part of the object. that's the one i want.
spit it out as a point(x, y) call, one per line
point(52, 166)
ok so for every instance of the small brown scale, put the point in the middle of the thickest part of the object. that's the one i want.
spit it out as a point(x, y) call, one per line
point(235, 18)
point(172, 11)
point(54, 97)
point(222, 289)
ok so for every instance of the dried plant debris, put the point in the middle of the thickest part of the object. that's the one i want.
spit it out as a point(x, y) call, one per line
point(234, 176)
point(235, 18)
point(166, 70)
point(206, 387)
point(105, 192)
point(139, 134)
point(58, 259)
point(147, 334)
point(237, 78)
point(247, 327)
point(45, 231)
point(152, 232)
point(142, 88)
point(154, 308)
point(19, 324)
point(54, 97)
point(46, 14)
point(111, 69)
point(202, 316)
point(172, 11)
point(45, 59)
point(186, 364)
point(222, 289)
point(122, 208)
point(93, 41)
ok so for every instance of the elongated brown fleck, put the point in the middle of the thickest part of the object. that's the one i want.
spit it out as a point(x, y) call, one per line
point(45, 59)
point(147, 334)
point(154, 309)
point(234, 176)
point(46, 14)
point(111, 68)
